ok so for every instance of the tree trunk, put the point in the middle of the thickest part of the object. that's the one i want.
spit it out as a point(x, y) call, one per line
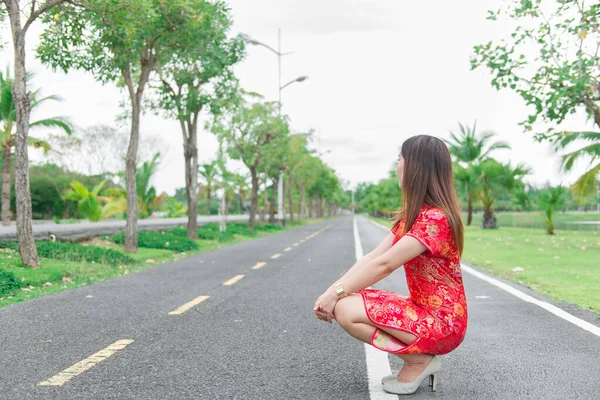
point(6, 187)
point(273, 200)
point(263, 210)
point(208, 197)
point(290, 201)
point(254, 206)
point(131, 242)
point(310, 207)
point(489, 219)
point(470, 211)
point(190, 152)
point(22, 102)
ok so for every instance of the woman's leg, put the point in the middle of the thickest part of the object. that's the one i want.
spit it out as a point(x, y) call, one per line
point(350, 314)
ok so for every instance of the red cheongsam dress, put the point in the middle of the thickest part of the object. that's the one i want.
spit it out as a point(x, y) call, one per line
point(436, 310)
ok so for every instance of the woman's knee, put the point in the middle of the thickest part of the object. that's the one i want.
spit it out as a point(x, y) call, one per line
point(347, 310)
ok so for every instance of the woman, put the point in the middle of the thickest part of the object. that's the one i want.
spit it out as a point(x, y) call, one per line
point(427, 238)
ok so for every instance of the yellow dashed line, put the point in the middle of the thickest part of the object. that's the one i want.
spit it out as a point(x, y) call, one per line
point(302, 241)
point(233, 280)
point(259, 265)
point(287, 249)
point(296, 244)
point(62, 377)
point(181, 309)
point(275, 256)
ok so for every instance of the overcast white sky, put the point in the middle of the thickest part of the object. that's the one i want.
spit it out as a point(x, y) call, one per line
point(379, 72)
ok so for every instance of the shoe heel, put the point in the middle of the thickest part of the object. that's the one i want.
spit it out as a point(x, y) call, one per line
point(433, 382)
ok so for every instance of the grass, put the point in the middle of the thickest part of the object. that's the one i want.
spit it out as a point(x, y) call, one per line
point(563, 267)
point(534, 219)
point(57, 275)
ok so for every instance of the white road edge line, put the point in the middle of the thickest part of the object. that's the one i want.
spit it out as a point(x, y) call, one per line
point(378, 363)
point(527, 298)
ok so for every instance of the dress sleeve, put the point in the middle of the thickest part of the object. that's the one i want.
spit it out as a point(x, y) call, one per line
point(432, 230)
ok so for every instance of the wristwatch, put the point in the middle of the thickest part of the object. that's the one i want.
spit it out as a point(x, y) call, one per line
point(339, 290)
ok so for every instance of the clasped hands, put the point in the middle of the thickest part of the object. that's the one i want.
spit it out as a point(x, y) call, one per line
point(325, 305)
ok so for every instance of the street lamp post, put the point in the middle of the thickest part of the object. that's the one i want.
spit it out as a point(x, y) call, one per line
point(280, 207)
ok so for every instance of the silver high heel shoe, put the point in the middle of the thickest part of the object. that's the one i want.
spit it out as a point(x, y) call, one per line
point(431, 370)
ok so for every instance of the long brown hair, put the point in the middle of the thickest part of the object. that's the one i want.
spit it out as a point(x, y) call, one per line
point(427, 179)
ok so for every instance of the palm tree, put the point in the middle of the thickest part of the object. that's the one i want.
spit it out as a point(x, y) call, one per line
point(586, 185)
point(145, 192)
point(93, 206)
point(552, 200)
point(8, 118)
point(494, 179)
point(469, 148)
point(209, 173)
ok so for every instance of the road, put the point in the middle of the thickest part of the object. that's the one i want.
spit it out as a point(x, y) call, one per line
point(138, 336)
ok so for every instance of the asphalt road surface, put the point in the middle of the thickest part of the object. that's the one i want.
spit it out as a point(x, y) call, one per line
point(213, 327)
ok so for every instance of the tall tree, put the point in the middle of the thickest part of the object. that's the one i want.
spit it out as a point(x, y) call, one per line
point(586, 186)
point(552, 200)
point(496, 178)
point(468, 149)
point(552, 60)
point(247, 128)
point(8, 115)
point(209, 172)
point(200, 80)
point(21, 19)
point(123, 40)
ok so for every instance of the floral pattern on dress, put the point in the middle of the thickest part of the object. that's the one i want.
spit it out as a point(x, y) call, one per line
point(436, 309)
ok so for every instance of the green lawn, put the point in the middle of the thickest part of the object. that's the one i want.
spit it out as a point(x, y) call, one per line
point(566, 266)
point(534, 219)
point(64, 275)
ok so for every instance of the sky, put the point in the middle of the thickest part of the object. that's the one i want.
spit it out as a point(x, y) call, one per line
point(379, 73)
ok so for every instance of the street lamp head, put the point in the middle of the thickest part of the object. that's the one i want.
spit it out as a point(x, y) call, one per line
point(301, 78)
point(254, 42)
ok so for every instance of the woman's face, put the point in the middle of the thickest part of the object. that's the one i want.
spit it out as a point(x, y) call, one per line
point(400, 169)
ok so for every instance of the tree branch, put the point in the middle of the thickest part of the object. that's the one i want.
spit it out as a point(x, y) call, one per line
point(35, 14)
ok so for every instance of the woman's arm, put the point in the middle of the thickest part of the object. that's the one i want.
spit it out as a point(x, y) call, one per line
point(372, 272)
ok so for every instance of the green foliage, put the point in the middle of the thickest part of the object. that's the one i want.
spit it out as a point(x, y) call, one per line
point(91, 205)
point(145, 192)
point(76, 252)
point(550, 201)
point(551, 59)
point(159, 240)
point(8, 282)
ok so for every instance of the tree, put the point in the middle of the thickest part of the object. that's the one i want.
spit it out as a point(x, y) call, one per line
point(209, 172)
point(123, 40)
point(586, 185)
point(146, 193)
point(297, 159)
point(104, 146)
point(90, 204)
point(276, 153)
point(22, 103)
point(200, 80)
point(551, 200)
point(469, 148)
point(248, 126)
point(496, 178)
point(8, 114)
point(562, 78)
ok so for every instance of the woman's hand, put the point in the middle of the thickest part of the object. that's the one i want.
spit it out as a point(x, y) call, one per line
point(325, 305)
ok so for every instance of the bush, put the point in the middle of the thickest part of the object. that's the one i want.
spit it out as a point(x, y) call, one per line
point(8, 282)
point(269, 227)
point(240, 229)
point(76, 252)
point(225, 236)
point(159, 240)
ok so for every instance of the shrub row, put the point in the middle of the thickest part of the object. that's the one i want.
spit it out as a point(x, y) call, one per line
point(159, 240)
point(76, 252)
